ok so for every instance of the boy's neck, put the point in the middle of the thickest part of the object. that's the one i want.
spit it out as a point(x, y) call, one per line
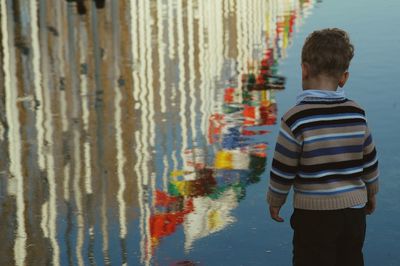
point(320, 83)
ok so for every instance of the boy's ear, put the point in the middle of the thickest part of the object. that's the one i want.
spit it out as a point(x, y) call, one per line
point(305, 71)
point(343, 79)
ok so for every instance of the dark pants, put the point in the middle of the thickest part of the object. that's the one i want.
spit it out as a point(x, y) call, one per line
point(328, 238)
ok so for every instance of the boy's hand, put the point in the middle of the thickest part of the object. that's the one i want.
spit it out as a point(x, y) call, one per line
point(274, 212)
point(371, 205)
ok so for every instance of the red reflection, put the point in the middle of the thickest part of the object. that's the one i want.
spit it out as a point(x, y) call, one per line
point(165, 223)
point(216, 124)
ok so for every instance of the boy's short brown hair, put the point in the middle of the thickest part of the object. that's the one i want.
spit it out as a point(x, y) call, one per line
point(327, 51)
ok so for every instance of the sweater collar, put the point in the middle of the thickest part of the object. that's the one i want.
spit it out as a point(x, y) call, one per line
point(318, 95)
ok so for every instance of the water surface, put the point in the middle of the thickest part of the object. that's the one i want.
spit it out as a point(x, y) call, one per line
point(140, 132)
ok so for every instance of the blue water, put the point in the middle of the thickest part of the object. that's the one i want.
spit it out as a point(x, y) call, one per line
point(255, 239)
point(371, 26)
point(122, 144)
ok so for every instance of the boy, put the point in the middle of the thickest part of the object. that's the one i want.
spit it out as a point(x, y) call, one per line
point(325, 151)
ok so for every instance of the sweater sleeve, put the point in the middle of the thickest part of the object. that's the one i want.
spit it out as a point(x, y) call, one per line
point(370, 161)
point(284, 166)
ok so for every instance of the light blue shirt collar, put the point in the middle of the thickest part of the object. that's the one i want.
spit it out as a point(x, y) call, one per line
point(315, 95)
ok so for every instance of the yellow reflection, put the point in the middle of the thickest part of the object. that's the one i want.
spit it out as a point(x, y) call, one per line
point(223, 160)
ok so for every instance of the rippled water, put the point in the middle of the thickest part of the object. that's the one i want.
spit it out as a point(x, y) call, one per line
point(139, 132)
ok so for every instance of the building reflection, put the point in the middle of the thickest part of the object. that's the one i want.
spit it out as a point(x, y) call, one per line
point(211, 174)
point(126, 121)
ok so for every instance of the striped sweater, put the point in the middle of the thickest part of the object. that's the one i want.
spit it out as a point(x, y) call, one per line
point(325, 151)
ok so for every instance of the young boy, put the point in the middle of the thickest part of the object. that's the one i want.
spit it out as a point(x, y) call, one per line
point(325, 151)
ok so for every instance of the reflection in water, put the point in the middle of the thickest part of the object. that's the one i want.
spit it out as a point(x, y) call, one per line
point(125, 122)
point(81, 7)
point(16, 180)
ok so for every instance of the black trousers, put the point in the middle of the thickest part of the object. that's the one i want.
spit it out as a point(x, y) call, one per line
point(328, 238)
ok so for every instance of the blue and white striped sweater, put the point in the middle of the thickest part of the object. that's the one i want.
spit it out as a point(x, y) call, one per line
point(325, 150)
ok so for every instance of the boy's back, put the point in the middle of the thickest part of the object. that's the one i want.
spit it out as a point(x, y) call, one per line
point(325, 151)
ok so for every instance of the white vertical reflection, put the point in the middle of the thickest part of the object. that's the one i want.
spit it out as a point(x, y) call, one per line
point(118, 119)
point(50, 206)
point(256, 34)
point(201, 37)
point(225, 9)
point(83, 43)
point(120, 163)
point(174, 159)
point(161, 55)
point(63, 110)
point(37, 81)
point(14, 137)
point(67, 172)
point(135, 49)
point(142, 136)
point(49, 131)
point(239, 43)
point(218, 38)
point(150, 76)
point(166, 170)
point(144, 88)
point(245, 27)
point(192, 70)
point(45, 219)
point(171, 31)
point(61, 49)
point(209, 55)
point(182, 78)
point(140, 197)
point(137, 90)
point(219, 51)
point(78, 196)
point(145, 240)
